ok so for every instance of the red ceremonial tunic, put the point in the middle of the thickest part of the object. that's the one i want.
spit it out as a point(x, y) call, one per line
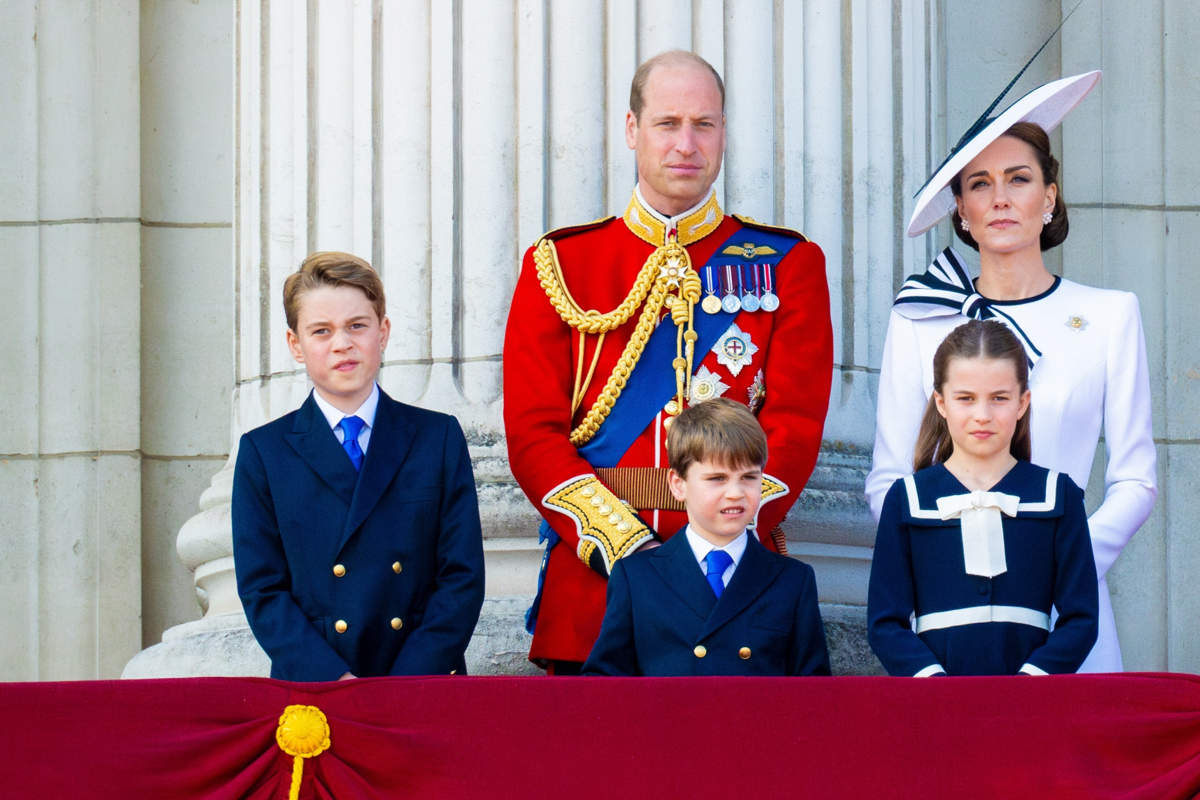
point(790, 374)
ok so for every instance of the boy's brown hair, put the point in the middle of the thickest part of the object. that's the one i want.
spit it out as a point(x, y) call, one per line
point(331, 268)
point(720, 430)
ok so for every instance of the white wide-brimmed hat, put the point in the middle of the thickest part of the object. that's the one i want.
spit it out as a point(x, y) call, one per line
point(1045, 106)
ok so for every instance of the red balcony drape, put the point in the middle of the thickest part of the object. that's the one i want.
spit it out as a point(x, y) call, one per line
point(1086, 736)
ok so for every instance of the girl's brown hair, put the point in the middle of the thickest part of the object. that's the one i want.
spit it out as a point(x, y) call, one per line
point(975, 339)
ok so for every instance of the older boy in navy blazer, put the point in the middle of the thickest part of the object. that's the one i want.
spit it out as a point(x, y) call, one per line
point(356, 536)
point(712, 600)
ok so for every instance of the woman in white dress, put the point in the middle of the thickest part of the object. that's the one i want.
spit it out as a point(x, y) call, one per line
point(1085, 344)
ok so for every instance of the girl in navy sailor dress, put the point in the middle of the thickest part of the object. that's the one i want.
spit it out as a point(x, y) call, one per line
point(974, 549)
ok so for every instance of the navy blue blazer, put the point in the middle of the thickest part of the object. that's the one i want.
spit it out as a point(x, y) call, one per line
point(970, 624)
point(662, 617)
point(378, 572)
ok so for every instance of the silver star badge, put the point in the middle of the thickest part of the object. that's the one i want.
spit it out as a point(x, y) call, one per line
point(705, 386)
point(673, 271)
point(734, 349)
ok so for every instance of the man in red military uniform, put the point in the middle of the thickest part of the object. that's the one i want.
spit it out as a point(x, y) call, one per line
point(616, 325)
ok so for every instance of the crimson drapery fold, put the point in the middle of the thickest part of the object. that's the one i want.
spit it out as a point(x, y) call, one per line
point(1131, 735)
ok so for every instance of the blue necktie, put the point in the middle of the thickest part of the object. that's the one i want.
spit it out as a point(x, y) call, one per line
point(718, 561)
point(351, 427)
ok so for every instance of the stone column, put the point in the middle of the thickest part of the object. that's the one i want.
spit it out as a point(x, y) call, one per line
point(187, 254)
point(70, 471)
point(1179, 450)
point(1130, 181)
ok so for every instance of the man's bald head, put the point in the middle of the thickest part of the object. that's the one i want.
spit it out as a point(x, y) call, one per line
point(671, 58)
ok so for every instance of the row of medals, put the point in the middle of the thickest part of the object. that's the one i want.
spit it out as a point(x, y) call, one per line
point(730, 303)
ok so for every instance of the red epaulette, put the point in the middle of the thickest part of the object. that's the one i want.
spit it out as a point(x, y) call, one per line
point(750, 222)
point(571, 230)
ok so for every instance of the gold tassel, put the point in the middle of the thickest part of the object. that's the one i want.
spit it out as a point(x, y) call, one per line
point(303, 732)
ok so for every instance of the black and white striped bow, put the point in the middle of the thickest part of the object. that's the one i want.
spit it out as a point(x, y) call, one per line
point(946, 289)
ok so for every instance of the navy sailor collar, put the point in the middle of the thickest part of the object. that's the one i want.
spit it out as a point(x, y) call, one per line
point(1038, 489)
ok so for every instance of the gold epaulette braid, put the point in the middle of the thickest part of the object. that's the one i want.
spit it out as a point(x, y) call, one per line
point(667, 267)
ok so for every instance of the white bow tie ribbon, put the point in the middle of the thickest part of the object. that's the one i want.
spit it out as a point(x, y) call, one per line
point(982, 528)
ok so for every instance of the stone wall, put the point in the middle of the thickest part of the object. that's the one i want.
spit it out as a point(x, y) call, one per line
point(70, 469)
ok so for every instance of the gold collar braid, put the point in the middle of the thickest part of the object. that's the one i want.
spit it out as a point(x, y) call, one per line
point(691, 226)
point(666, 278)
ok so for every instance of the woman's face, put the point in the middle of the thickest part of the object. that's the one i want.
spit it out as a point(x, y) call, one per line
point(1004, 196)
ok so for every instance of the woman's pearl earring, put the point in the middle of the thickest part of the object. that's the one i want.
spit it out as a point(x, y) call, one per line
point(1047, 218)
point(962, 223)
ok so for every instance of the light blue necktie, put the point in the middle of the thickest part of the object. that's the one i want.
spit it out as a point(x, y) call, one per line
point(351, 428)
point(718, 561)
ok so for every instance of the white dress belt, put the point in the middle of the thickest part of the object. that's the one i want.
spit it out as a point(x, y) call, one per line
point(976, 614)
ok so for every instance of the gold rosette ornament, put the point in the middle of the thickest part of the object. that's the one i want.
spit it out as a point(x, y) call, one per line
point(303, 732)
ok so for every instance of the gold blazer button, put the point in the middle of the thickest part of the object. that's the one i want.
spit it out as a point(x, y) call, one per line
point(340, 626)
point(700, 650)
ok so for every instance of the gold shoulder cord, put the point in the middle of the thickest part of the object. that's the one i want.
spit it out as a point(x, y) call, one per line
point(667, 268)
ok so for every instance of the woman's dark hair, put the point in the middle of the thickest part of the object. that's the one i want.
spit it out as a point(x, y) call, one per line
point(975, 339)
point(1031, 134)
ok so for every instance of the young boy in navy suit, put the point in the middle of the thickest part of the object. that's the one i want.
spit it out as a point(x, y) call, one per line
point(356, 537)
point(712, 600)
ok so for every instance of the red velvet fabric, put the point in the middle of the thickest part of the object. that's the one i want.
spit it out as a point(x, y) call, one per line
point(1085, 736)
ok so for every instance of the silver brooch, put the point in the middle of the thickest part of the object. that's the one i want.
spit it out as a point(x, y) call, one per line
point(705, 386)
point(1076, 323)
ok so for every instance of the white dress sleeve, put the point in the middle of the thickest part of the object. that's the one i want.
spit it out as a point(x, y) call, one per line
point(898, 409)
point(1130, 480)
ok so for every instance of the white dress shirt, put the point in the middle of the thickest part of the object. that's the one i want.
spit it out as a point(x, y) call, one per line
point(702, 547)
point(365, 412)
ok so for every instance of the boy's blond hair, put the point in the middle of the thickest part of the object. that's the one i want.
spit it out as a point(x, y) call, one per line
point(718, 430)
point(331, 268)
